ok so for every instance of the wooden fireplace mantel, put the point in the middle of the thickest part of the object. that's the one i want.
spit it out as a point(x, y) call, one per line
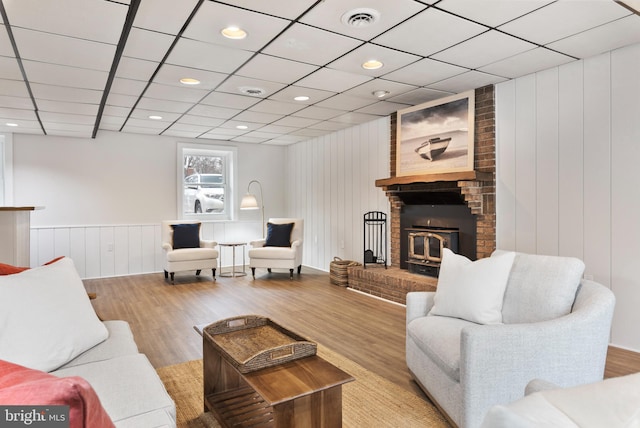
point(432, 178)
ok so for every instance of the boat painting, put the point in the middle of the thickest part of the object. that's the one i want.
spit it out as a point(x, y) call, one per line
point(433, 147)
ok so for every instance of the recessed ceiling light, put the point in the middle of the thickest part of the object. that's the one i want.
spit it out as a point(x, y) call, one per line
point(301, 98)
point(234, 33)
point(189, 81)
point(251, 90)
point(372, 64)
point(380, 94)
point(11, 124)
point(154, 117)
point(242, 127)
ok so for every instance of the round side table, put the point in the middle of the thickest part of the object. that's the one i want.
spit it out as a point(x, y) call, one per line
point(234, 272)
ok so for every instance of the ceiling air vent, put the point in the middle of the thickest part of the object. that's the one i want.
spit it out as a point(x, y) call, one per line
point(253, 91)
point(360, 18)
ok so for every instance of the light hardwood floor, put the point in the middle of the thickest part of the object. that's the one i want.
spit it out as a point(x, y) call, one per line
point(364, 329)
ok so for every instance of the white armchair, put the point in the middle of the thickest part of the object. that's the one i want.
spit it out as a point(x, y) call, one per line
point(262, 255)
point(549, 330)
point(185, 250)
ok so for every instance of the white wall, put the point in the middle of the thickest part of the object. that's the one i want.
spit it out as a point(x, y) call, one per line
point(104, 198)
point(568, 145)
point(331, 184)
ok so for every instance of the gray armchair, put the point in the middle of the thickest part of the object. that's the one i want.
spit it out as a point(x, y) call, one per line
point(549, 331)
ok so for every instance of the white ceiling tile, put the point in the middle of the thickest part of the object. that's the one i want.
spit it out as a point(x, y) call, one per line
point(366, 90)
point(63, 93)
point(466, 81)
point(315, 112)
point(175, 93)
point(148, 45)
point(111, 122)
point(275, 69)
point(327, 79)
point(277, 107)
point(234, 84)
point(212, 17)
point(182, 134)
point(307, 132)
point(296, 122)
point(121, 100)
point(214, 111)
point(392, 60)
point(607, 37)
point(5, 44)
point(382, 108)
point(156, 125)
point(10, 113)
point(141, 130)
point(205, 56)
point(65, 107)
point(232, 126)
point(420, 96)
point(425, 71)
point(136, 69)
point(24, 127)
point(354, 118)
point(115, 111)
point(127, 86)
point(171, 75)
point(201, 129)
point(250, 140)
point(526, 63)
point(16, 102)
point(257, 117)
point(492, 12)
point(51, 48)
point(283, 142)
point(224, 134)
point(9, 69)
point(347, 102)
point(258, 134)
point(66, 128)
point(13, 88)
point(61, 75)
point(282, 8)
point(232, 101)
point(562, 19)
point(327, 125)
point(430, 31)
point(289, 93)
point(328, 14)
point(311, 45)
point(484, 49)
point(163, 105)
point(85, 19)
point(164, 16)
point(191, 119)
point(78, 119)
point(278, 129)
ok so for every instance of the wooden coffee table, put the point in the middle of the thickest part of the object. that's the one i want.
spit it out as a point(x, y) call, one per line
point(305, 392)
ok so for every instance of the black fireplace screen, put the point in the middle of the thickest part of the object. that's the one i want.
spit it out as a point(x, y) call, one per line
point(375, 238)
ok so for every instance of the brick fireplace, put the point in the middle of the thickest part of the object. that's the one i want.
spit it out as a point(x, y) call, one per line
point(476, 189)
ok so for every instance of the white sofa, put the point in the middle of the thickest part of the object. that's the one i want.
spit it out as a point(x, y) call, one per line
point(611, 403)
point(548, 330)
point(48, 325)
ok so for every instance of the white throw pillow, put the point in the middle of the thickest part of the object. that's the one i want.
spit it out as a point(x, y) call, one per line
point(46, 318)
point(473, 291)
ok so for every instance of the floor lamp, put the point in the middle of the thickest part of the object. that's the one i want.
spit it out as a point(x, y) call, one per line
point(249, 202)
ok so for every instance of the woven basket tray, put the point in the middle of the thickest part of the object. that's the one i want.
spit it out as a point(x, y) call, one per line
point(338, 271)
point(253, 342)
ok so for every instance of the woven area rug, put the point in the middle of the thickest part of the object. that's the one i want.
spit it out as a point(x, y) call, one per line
point(369, 401)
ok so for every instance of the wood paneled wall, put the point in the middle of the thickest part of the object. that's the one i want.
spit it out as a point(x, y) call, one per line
point(331, 184)
point(568, 147)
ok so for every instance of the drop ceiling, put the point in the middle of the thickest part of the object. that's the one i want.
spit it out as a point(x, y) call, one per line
point(78, 67)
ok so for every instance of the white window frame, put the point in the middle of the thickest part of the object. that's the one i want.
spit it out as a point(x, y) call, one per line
point(230, 155)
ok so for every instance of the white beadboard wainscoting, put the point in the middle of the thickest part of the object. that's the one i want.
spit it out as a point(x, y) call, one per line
point(115, 250)
point(331, 185)
point(568, 147)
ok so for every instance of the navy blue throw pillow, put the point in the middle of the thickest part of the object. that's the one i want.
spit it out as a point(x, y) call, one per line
point(279, 235)
point(186, 235)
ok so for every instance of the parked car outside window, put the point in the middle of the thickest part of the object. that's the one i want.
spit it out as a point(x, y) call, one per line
point(203, 193)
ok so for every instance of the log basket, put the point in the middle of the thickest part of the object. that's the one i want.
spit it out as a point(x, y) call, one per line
point(338, 274)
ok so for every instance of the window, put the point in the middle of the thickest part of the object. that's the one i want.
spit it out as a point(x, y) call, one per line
point(205, 182)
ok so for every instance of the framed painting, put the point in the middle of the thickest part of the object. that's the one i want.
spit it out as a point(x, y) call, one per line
point(436, 137)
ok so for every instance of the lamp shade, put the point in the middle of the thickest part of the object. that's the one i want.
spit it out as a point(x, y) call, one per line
point(249, 202)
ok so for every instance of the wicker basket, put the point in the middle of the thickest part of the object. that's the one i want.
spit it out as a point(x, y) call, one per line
point(338, 271)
